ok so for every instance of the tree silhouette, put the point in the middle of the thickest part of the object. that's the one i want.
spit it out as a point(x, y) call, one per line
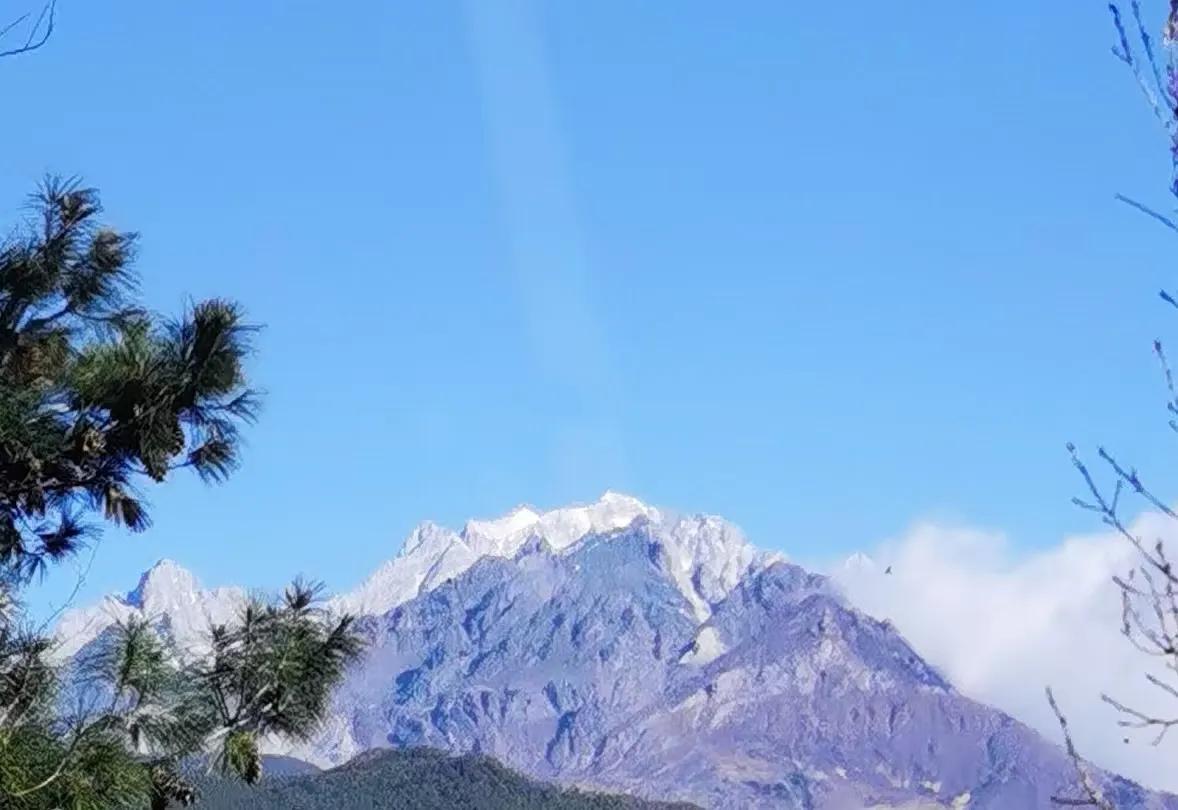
point(99, 396)
point(1149, 591)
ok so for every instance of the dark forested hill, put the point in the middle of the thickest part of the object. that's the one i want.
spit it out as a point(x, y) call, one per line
point(416, 779)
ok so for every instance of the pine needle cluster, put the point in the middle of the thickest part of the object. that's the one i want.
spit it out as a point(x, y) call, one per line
point(97, 397)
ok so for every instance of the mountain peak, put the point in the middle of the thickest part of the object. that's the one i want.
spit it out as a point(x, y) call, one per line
point(425, 535)
point(621, 500)
point(859, 562)
point(561, 528)
point(168, 595)
point(166, 577)
point(496, 536)
point(761, 685)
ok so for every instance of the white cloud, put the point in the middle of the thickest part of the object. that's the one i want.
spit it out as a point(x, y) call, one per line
point(1002, 626)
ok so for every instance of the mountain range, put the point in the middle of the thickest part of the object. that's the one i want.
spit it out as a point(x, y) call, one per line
point(617, 647)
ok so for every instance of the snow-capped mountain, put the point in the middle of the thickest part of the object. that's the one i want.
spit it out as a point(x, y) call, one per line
point(615, 646)
point(168, 595)
point(709, 555)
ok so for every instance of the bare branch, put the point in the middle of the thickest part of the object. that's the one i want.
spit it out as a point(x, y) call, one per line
point(1150, 212)
point(79, 582)
point(39, 33)
point(1149, 593)
point(1125, 52)
point(1141, 720)
point(1092, 795)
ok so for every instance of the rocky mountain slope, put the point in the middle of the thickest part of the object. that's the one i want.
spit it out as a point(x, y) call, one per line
point(614, 646)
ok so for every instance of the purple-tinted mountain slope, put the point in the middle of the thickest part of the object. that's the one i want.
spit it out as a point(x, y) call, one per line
point(589, 667)
point(617, 647)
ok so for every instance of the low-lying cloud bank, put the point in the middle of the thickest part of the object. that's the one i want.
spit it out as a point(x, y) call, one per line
point(1002, 626)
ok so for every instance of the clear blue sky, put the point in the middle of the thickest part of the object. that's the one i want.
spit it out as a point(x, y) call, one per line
point(823, 268)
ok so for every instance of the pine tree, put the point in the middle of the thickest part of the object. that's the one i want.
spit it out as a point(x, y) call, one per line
point(98, 395)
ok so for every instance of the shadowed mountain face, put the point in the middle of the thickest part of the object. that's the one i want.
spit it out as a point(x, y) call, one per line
point(667, 659)
point(409, 780)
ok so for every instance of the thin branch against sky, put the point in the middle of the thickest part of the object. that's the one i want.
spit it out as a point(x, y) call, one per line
point(29, 31)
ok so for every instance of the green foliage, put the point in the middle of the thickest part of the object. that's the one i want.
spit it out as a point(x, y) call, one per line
point(142, 711)
point(94, 391)
point(149, 701)
point(89, 771)
point(95, 395)
point(272, 673)
point(415, 779)
point(242, 758)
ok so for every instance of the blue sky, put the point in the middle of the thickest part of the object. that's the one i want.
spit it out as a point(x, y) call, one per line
point(824, 269)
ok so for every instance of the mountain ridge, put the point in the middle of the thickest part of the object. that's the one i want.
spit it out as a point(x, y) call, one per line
point(664, 657)
point(429, 555)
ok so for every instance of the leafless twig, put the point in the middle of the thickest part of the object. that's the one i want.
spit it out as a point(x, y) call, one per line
point(1092, 796)
point(1149, 592)
point(37, 34)
point(80, 580)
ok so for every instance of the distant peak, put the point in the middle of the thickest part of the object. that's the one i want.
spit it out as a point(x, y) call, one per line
point(494, 532)
point(859, 562)
point(560, 527)
point(621, 499)
point(427, 533)
point(522, 516)
point(705, 554)
point(165, 576)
